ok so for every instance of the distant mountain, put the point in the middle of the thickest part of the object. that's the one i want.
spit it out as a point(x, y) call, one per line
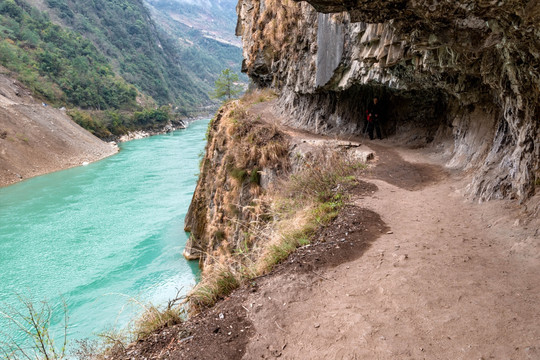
point(205, 35)
point(215, 19)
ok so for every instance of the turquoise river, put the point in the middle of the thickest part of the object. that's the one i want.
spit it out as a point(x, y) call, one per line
point(106, 238)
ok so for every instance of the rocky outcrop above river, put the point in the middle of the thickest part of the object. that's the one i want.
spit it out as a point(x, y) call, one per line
point(243, 155)
point(141, 134)
point(36, 138)
point(463, 75)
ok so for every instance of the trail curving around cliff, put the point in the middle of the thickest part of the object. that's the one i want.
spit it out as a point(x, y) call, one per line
point(410, 269)
point(451, 280)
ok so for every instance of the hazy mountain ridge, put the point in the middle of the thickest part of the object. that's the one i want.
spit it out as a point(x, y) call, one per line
point(206, 55)
point(215, 19)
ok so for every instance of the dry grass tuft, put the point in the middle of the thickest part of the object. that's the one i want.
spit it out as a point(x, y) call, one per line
point(287, 218)
point(274, 29)
point(216, 285)
point(258, 96)
point(305, 202)
point(155, 318)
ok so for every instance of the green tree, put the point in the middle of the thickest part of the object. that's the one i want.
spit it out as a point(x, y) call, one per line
point(226, 85)
point(11, 8)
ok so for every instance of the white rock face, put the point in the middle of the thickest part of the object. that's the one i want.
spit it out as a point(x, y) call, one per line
point(136, 135)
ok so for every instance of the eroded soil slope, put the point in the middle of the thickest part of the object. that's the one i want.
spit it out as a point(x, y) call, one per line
point(37, 139)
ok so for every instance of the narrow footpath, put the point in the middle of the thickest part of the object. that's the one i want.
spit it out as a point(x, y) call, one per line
point(412, 269)
point(450, 279)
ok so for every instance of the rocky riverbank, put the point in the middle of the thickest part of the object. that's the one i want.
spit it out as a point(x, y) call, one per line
point(178, 125)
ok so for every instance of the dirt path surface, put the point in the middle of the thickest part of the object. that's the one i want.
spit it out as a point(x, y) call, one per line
point(411, 269)
point(36, 138)
point(446, 282)
point(451, 279)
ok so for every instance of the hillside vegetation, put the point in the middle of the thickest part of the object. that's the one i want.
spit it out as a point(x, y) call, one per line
point(60, 65)
point(205, 51)
point(125, 33)
point(110, 62)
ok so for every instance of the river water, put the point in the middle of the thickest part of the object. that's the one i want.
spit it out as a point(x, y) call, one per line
point(105, 238)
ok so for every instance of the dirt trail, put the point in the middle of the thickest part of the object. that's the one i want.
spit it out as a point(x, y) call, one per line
point(443, 284)
point(410, 270)
point(452, 279)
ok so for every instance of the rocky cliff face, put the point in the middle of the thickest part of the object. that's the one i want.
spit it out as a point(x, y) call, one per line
point(463, 74)
point(242, 157)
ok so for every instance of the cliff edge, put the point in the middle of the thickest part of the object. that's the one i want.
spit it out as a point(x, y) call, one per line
point(406, 268)
point(36, 139)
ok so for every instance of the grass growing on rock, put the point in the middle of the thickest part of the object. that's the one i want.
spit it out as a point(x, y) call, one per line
point(298, 206)
point(307, 201)
point(262, 221)
point(219, 284)
point(155, 318)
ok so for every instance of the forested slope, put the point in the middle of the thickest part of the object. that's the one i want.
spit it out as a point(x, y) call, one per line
point(57, 64)
point(124, 32)
point(110, 63)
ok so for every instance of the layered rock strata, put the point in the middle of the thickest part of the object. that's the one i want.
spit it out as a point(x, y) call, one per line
point(462, 74)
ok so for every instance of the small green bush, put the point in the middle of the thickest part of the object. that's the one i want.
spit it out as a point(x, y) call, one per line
point(238, 174)
point(255, 177)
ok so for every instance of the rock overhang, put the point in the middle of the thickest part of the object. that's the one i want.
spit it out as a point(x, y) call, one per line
point(479, 58)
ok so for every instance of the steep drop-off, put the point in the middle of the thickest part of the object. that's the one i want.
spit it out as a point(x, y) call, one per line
point(243, 155)
point(462, 74)
point(36, 139)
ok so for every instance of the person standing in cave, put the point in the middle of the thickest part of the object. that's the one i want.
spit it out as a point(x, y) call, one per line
point(374, 118)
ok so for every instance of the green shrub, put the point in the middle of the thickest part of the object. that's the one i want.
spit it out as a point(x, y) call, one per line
point(255, 177)
point(238, 174)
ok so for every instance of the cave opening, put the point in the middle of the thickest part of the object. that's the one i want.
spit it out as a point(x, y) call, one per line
point(413, 117)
